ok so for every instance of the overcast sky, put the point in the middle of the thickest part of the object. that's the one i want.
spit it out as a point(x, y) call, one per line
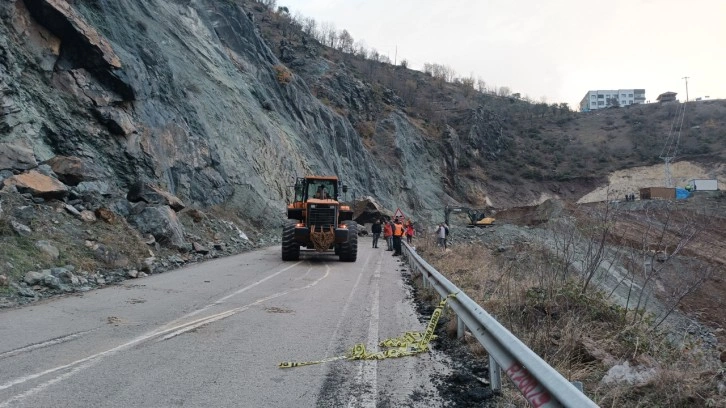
point(557, 49)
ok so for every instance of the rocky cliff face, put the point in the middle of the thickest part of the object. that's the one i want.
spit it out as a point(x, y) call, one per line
point(186, 95)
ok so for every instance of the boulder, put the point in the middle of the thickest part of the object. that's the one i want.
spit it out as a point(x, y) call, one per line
point(626, 374)
point(88, 216)
point(3, 280)
point(199, 248)
point(63, 274)
point(20, 229)
point(16, 157)
point(148, 264)
point(24, 291)
point(94, 187)
point(73, 170)
point(162, 223)
point(80, 38)
point(367, 210)
point(73, 210)
point(33, 278)
point(47, 248)
point(5, 174)
point(111, 257)
point(116, 120)
point(38, 184)
point(153, 195)
point(106, 215)
point(52, 282)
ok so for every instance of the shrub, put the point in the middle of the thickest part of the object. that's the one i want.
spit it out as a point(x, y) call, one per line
point(366, 130)
point(283, 75)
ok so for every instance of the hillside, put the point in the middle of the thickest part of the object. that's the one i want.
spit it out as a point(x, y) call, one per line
point(494, 149)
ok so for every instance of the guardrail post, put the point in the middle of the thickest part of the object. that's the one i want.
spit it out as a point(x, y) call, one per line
point(460, 327)
point(495, 375)
point(425, 281)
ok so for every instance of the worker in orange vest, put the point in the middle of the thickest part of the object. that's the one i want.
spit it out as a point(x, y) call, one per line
point(388, 235)
point(410, 232)
point(398, 231)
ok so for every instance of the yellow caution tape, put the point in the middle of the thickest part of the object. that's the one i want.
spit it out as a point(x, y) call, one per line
point(408, 344)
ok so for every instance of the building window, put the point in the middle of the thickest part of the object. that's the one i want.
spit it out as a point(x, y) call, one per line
point(601, 103)
point(600, 96)
point(592, 96)
point(622, 95)
point(593, 103)
point(630, 95)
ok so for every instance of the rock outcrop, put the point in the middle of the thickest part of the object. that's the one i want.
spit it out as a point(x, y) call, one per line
point(200, 110)
point(38, 184)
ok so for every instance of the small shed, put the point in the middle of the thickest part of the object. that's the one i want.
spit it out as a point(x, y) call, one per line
point(657, 193)
point(667, 97)
point(703, 185)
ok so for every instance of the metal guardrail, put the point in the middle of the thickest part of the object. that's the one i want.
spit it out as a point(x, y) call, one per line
point(540, 384)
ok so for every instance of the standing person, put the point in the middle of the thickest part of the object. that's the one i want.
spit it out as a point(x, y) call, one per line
point(388, 235)
point(398, 232)
point(376, 230)
point(410, 232)
point(441, 232)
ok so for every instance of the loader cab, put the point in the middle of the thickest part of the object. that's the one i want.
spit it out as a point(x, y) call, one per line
point(322, 189)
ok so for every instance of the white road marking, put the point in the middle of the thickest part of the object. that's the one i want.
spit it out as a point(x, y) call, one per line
point(344, 311)
point(89, 361)
point(48, 343)
point(367, 378)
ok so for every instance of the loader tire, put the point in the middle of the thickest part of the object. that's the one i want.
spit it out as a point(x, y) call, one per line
point(349, 250)
point(290, 248)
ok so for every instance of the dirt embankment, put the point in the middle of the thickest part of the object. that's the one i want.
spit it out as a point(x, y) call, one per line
point(630, 181)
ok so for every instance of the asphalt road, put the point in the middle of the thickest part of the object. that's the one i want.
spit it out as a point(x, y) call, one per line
point(212, 335)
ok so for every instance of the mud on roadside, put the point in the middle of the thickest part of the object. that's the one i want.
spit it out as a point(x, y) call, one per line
point(466, 384)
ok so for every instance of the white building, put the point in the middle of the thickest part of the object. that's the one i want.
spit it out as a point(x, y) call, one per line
point(607, 98)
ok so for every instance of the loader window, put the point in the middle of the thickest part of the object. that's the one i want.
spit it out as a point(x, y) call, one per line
point(321, 190)
point(299, 191)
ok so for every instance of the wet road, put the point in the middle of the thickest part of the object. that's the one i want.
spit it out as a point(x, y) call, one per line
point(212, 335)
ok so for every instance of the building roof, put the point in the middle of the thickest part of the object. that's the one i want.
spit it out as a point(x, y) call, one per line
point(667, 96)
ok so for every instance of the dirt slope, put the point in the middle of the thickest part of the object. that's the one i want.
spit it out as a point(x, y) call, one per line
point(630, 180)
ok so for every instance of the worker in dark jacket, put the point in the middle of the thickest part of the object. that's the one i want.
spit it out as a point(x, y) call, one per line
point(376, 230)
point(398, 232)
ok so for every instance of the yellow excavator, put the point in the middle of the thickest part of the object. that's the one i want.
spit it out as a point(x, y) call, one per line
point(477, 217)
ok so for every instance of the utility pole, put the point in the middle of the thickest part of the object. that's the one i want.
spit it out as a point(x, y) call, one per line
point(686, 78)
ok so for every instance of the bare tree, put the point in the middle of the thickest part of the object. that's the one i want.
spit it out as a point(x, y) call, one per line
point(310, 26)
point(504, 91)
point(270, 4)
point(345, 42)
point(481, 86)
point(327, 31)
point(361, 49)
point(468, 84)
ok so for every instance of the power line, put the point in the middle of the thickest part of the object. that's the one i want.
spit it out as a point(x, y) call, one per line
point(686, 78)
point(670, 148)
